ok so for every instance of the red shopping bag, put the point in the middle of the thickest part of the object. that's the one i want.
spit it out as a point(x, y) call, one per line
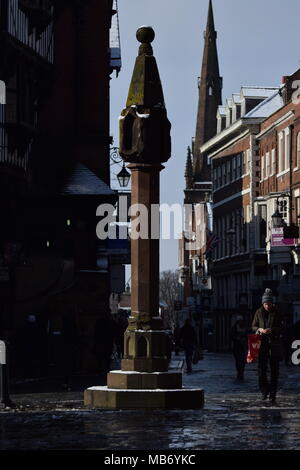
point(254, 342)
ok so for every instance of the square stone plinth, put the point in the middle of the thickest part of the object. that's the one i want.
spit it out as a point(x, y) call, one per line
point(141, 380)
point(145, 364)
point(108, 398)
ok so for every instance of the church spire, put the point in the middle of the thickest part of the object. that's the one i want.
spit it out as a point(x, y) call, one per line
point(188, 169)
point(210, 96)
point(210, 18)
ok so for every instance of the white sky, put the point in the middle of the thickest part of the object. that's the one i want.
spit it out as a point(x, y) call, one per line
point(258, 43)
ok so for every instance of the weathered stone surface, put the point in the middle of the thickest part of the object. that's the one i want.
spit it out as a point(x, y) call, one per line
point(105, 398)
point(145, 349)
point(145, 364)
point(140, 380)
point(144, 125)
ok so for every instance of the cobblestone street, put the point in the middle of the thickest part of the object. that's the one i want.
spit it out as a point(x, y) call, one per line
point(233, 418)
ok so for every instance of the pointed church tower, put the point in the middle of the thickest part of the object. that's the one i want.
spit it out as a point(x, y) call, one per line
point(188, 169)
point(210, 97)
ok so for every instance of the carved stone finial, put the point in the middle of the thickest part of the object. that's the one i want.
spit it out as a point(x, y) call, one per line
point(145, 35)
point(144, 125)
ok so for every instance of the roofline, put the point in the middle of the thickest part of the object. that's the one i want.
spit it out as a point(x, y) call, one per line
point(238, 125)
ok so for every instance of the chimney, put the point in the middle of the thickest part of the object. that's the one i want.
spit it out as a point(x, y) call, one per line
point(284, 79)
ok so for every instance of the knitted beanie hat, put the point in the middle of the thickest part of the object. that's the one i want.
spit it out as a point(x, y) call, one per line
point(267, 297)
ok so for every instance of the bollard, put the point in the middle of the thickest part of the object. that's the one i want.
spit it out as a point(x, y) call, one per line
point(4, 377)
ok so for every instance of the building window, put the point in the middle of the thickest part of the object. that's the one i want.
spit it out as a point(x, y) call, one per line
point(228, 241)
point(281, 152)
point(298, 210)
point(219, 177)
point(210, 91)
point(224, 173)
point(298, 150)
point(287, 148)
point(268, 170)
point(228, 171)
point(273, 164)
point(262, 169)
point(234, 168)
point(239, 165)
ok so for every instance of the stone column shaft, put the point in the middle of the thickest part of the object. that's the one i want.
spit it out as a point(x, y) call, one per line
point(145, 252)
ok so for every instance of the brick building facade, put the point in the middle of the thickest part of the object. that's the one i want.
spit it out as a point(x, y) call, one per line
point(250, 175)
point(56, 63)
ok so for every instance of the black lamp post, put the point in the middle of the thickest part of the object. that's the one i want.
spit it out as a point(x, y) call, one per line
point(124, 176)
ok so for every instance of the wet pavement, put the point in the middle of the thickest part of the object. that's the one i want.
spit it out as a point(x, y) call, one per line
point(233, 418)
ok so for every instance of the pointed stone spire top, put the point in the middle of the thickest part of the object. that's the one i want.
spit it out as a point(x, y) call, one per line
point(210, 27)
point(144, 125)
point(188, 169)
point(189, 166)
point(145, 88)
point(210, 97)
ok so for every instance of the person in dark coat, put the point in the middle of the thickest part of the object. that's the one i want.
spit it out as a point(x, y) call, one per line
point(188, 339)
point(239, 338)
point(268, 322)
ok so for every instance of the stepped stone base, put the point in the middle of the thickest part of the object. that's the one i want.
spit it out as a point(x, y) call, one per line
point(108, 398)
point(145, 364)
point(143, 380)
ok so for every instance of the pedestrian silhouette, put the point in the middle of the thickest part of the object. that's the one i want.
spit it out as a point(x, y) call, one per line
point(239, 339)
point(188, 340)
point(268, 322)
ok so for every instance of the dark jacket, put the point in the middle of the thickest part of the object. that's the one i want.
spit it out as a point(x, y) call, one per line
point(188, 336)
point(274, 321)
point(270, 342)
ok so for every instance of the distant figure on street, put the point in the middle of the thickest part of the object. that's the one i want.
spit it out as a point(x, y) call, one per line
point(268, 322)
point(239, 338)
point(188, 340)
point(104, 336)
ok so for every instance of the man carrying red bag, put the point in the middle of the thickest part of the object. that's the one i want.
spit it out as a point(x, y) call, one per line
point(268, 322)
point(254, 342)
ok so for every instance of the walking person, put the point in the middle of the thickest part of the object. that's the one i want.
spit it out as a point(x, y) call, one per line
point(239, 338)
point(268, 322)
point(188, 339)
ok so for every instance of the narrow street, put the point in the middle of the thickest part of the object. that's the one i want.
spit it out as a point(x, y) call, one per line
point(233, 418)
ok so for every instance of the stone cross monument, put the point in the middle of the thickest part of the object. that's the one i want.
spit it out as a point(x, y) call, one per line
point(145, 143)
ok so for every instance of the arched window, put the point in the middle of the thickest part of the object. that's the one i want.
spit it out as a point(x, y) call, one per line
point(210, 90)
